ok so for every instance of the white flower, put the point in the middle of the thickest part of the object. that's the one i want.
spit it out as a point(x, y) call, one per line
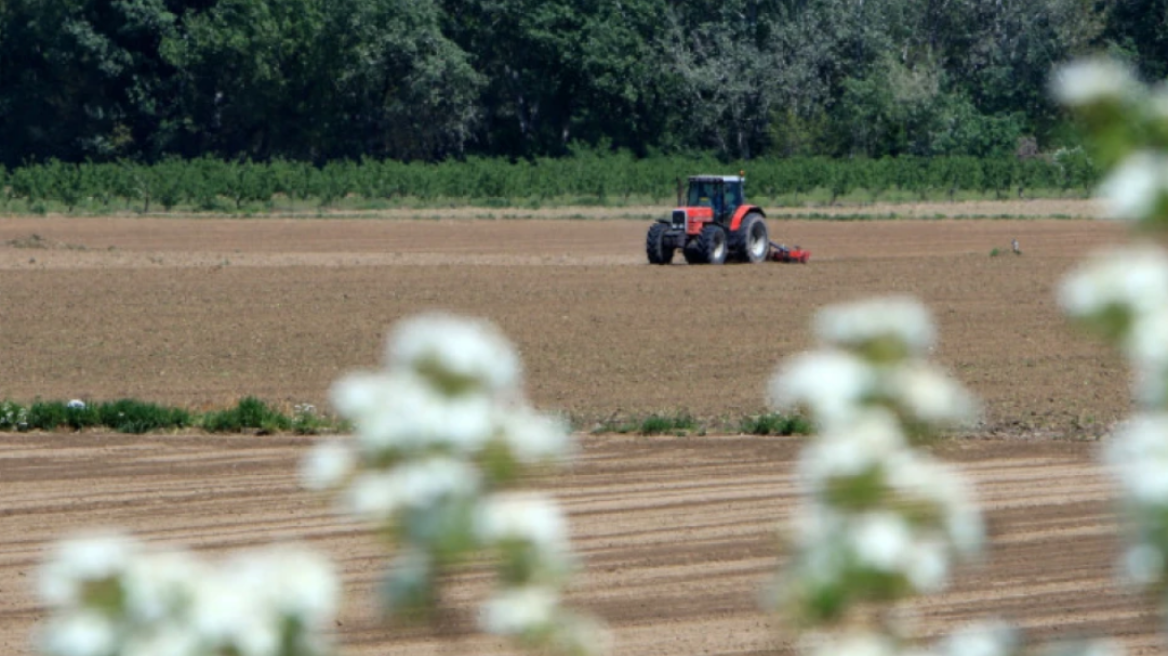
point(1104, 647)
point(920, 481)
point(379, 495)
point(327, 465)
point(1150, 383)
point(831, 384)
point(1143, 564)
point(930, 396)
point(881, 540)
point(175, 639)
point(533, 437)
point(1158, 102)
point(852, 643)
point(300, 583)
point(580, 635)
point(79, 633)
point(444, 347)
point(852, 449)
point(159, 585)
point(516, 611)
point(523, 516)
point(75, 404)
point(898, 318)
point(1138, 457)
point(1134, 278)
point(981, 639)
point(79, 561)
point(231, 610)
point(401, 411)
point(1088, 81)
point(1132, 190)
point(360, 395)
point(927, 566)
point(1147, 340)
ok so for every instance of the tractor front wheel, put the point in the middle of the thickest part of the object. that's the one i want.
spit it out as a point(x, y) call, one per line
point(655, 247)
point(751, 241)
point(709, 247)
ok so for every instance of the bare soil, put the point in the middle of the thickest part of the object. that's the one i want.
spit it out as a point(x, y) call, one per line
point(201, 311)
point(677, 534)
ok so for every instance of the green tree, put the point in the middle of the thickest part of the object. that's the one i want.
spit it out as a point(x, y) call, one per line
point(82, 78)
point(1138, 30)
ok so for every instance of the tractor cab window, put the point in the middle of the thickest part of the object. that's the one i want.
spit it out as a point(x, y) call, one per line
point(733, 195)
point(705, 194)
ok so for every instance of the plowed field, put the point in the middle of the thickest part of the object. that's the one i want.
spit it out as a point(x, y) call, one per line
point(677, 534)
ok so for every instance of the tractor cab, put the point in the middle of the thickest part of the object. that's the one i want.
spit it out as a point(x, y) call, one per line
point(720, 193)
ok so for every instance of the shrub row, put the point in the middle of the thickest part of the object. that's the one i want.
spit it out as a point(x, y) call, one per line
point(253, 415)
point(685, 424)
point(585, 178)
point(132, 416)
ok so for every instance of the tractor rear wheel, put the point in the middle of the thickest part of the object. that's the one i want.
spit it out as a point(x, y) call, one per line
point(655, 245)
point(751, 242)
point(709, 247)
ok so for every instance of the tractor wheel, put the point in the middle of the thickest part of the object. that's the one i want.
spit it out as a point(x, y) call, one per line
point(655, 245)
point(709, 247)
point(750, 242)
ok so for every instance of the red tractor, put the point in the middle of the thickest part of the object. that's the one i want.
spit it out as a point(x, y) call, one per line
point(715, 225)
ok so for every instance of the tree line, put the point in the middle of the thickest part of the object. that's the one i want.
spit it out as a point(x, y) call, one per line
point(427, 80)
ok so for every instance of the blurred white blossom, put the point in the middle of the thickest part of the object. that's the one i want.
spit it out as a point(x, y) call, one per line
point(1138, 456)
point(378, 495)
point(80, 632)
point(850, 450)
point(894, 320)
point(532, 437)
point(455, 351)
point(1089, 81)
point(327, 465)
point(1130, 278)
point(399, 412)
point(523, 516)
point(850, 643)
point(1143, 564)
point(878, 521)
point(981, 639)
point(882, 540)
point(161, 585)
point(516, 611)
point(170, 603)
point(1135, 188)
point(78, 562)
point(831, 384)
point(929, 396)
point(443, 432)
point(166, 640)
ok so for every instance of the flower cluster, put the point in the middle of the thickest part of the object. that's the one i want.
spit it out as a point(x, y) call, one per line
point(1122, 293)
point(1129, 129)
point(873, 359)
point(443, 438)
point(108, 594)
point(879, 520)
point(981, 639)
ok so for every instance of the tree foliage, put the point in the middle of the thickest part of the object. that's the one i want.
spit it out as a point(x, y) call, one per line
point(317, 80)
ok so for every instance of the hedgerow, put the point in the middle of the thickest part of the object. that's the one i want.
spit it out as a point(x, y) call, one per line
point(587, 178)
point(133, 416)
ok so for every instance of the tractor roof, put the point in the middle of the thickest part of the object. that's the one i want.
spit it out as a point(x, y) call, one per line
point(715, 178)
